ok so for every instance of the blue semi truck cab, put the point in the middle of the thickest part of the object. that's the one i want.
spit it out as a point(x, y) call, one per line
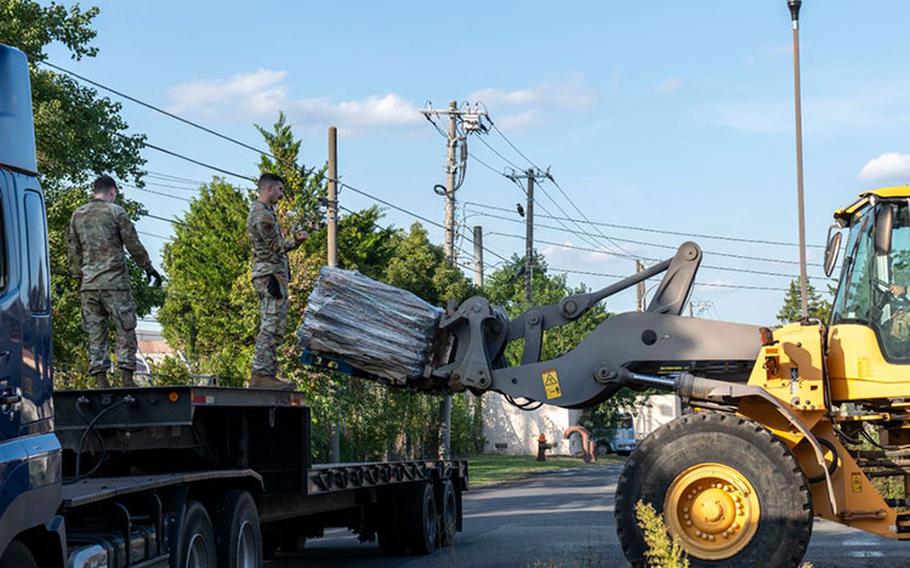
point(165, 476)
point(30, 453)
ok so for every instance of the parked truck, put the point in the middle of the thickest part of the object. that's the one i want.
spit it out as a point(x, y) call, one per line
point(165, 476)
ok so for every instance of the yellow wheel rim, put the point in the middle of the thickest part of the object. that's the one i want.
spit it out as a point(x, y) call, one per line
point(713, 509)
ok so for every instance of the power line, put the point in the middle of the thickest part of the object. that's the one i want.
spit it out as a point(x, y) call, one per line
point(153, 235)
point(146, 144)
point(708, 285)
point(614, 225)
point(580, 212)
point(161, 193)
point(405, 211)
point(559, 187)
point(543, 189)
point(650, 244)
point(601, 251)
point(180, 119)
point(173, 221)
point(169, 186)
point(173, 179)
point(160, 110)
point(663, 231)
point(509, 142)
point(506, 160)
point(536, 201)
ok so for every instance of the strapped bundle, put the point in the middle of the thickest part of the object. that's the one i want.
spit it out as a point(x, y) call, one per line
point(375, 327)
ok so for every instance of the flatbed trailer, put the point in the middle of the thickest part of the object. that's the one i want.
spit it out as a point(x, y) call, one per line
point(167, 476)
point(147, 456)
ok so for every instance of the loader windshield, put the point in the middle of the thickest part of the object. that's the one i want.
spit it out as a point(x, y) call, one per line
point(875, 289)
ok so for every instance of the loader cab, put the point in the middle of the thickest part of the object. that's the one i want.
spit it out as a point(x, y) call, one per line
point(869, 338)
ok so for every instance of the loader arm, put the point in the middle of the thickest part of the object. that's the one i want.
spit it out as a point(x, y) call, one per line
point(658, 341)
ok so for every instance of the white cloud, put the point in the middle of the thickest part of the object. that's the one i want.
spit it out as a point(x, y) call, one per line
point(670, 85)
point(890, 166)
point(572, 93)
point(264, 92)
point(518, 121)
point(253, 88)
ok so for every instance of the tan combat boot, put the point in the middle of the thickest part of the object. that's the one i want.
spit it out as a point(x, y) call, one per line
point(266, 382)
point(126, 378)
point(101, 381)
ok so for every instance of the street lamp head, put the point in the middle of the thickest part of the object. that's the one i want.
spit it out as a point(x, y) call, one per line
point(794, 6)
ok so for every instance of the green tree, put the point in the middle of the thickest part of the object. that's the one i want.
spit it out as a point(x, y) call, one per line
point(819, 307)
point(421, 267)
point(78, 136)
point(506, 287)
point(209, 251)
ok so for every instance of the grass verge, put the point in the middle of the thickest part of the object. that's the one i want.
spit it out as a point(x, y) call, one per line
point(487, 469)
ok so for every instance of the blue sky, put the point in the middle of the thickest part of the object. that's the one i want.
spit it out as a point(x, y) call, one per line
point(659, 114)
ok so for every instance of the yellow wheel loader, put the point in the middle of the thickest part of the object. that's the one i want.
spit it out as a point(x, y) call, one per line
point(781, 425)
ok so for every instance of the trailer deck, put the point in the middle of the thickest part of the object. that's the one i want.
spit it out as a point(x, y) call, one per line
point(164, 440)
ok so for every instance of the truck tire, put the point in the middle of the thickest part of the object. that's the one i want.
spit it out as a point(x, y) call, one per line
point(196, 541)
point(448, 514)
point(422, 522)
point(748, 499)
point(238, 538)
point(18, 555)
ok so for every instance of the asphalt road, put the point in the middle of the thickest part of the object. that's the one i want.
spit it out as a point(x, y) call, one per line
point(565, 519)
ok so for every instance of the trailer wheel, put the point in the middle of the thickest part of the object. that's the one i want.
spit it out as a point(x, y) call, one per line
point(17, 554)
point(422, 522)
point(196, 542)
point(237, 534)
point(448, 514)
point(731, 492)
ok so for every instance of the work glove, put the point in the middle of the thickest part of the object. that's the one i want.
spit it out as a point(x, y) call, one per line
point(150, 274)
point(274, 287)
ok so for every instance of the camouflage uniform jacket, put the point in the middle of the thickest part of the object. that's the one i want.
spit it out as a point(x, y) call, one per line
point(270, 249)
point(96, 235)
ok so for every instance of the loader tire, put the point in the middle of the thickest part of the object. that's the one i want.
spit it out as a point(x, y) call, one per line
point(731, 492)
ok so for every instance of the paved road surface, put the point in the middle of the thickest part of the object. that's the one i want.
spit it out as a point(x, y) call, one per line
point(565, 519)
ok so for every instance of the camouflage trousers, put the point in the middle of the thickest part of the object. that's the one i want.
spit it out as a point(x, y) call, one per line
point(100, 308)
point(273, 318)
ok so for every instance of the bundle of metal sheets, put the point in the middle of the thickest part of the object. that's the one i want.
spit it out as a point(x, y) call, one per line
point(375, 327)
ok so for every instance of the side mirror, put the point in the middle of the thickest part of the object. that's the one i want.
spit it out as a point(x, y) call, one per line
point(832, 249)
point(884, 221)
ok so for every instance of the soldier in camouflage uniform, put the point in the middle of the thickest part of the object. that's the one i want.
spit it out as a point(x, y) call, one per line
point(96, 235)
point(271, 275)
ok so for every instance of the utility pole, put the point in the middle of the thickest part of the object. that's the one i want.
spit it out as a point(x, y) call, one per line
point(529, 239)
point(531, 176)
point(639, 288)
point(332, 246)
point(478, 256)
point(332, 205)
point(471, 120)
point(794, 6)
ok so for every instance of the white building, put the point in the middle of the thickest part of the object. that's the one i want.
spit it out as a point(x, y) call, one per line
point(652, 412)
point(510, 430)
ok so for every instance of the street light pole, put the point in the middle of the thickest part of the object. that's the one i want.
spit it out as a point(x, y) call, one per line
point(794, 6)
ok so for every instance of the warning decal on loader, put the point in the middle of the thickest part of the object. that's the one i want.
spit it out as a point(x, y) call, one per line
point(551, 383)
